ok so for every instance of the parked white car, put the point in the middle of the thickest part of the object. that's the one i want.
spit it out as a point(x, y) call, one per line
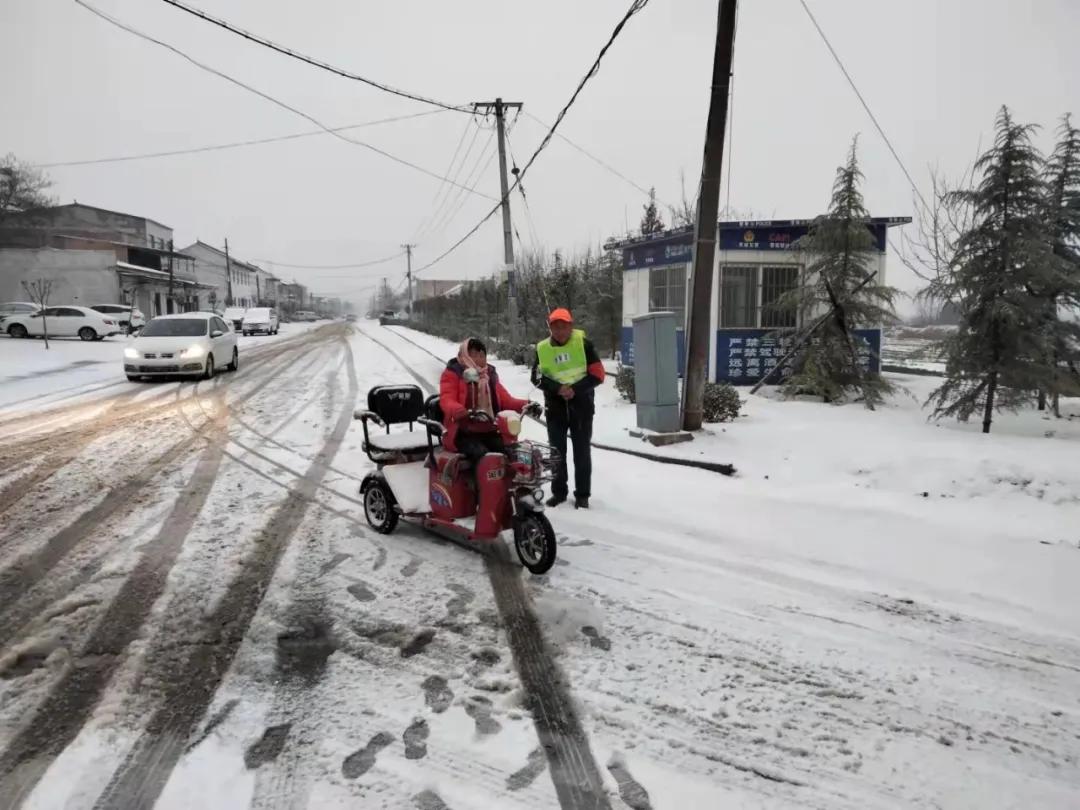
point(16, 308)
point(129, 318)
point(260, 319)
point(188, 343)
point(81, 322)
point(234, 316)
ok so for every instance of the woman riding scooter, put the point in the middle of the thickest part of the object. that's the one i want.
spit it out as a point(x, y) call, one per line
point(470, 396)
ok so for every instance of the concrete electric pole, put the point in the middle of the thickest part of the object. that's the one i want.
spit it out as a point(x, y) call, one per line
point(408, 274)
point(228, 276)
point(698, 317)
point(500, 107)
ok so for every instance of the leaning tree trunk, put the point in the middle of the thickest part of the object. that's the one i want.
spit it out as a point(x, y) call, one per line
point(988, 410)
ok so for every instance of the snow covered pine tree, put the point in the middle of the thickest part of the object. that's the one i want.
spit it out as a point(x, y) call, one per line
point(998, 356)
point(1062, 178)
point(841, 251)
point(651, 221)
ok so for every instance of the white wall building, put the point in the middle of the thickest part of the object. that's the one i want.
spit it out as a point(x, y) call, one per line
point(236, 287)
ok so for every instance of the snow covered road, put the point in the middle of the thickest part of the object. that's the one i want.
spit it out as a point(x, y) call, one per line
point(193, 613)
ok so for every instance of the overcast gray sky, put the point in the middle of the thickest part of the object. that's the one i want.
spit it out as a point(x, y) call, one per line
point(934, 71)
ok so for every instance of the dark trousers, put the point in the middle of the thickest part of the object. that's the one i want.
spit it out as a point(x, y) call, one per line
point(563, 417)
point(474, 446)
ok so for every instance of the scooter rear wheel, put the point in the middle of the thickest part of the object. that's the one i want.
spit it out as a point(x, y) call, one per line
point(379, 507)
point(534, 540)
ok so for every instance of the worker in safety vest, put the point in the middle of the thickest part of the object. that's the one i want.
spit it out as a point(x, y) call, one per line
point(567, 369)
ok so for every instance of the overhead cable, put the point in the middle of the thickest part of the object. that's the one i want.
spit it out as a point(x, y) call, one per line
point(438, 192)
point(440, 208)
point(259, 40)
point(865, 106)
point(472, 180)
point(233, 144)
point(600, 162)
point(355, 266)
point(263, 95)
point(635, 7)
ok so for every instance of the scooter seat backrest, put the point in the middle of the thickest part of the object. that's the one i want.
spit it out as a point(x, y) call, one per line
point(432, 409)
point(396, 404)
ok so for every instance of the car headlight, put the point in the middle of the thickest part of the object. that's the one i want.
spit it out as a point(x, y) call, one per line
point(131, 353)
point(193, 351)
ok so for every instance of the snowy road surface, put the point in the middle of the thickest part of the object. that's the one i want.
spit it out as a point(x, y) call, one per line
point(874, 613)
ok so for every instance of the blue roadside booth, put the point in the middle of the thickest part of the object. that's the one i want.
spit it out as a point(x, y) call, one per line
point(756, 262)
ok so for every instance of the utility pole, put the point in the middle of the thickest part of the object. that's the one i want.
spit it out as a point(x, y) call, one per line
point(500, 107)
point(698, 316)
point(228, 276)
point(169, 297)
point(408, 274)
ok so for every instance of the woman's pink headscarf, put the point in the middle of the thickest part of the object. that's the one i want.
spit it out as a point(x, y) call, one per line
point(483, 388)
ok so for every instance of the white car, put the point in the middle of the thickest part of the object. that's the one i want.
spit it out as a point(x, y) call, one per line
point(81, 322)
point(188, 343)
point(260, 319)
point(129, 318)
point(16, 308)
point(234, 317)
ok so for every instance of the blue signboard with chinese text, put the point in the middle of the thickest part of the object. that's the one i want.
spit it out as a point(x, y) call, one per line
point(744, 356)
point(767, 235)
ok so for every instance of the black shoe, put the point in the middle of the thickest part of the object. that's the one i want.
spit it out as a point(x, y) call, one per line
point(581, 503)
point(555, 500)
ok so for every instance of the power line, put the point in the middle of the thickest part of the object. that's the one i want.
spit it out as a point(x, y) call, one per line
point(312, 61)
point(442, 207)
point(233, 144)
point(371, 263)
point(439, 190)
point(594, 158)
point(472, 180)
point(731, 117)
point(524, 199)
point(635, 7)
point(262, 95)
point(865, 106)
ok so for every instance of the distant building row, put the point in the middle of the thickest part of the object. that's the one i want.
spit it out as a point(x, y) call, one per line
point(95, 256)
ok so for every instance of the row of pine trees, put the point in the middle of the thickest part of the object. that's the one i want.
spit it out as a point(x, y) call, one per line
point(1010, 268)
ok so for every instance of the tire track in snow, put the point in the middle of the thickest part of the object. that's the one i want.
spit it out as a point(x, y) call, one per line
point(574, 772)
point(302, 654)
point(17, 580)
point(59, 719)
point(141, 777)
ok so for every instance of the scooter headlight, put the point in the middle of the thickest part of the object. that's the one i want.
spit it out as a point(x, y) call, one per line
point(510, 423)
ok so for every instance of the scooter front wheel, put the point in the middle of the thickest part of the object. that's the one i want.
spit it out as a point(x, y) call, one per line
point(379, 507)
point(534, 540)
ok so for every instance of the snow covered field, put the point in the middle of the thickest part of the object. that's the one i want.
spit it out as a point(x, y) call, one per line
point(875, 612)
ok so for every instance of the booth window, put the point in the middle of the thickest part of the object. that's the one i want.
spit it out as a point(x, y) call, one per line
point(748, 296)
point(775, 281)
point(738, 297)
point(667, 291)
